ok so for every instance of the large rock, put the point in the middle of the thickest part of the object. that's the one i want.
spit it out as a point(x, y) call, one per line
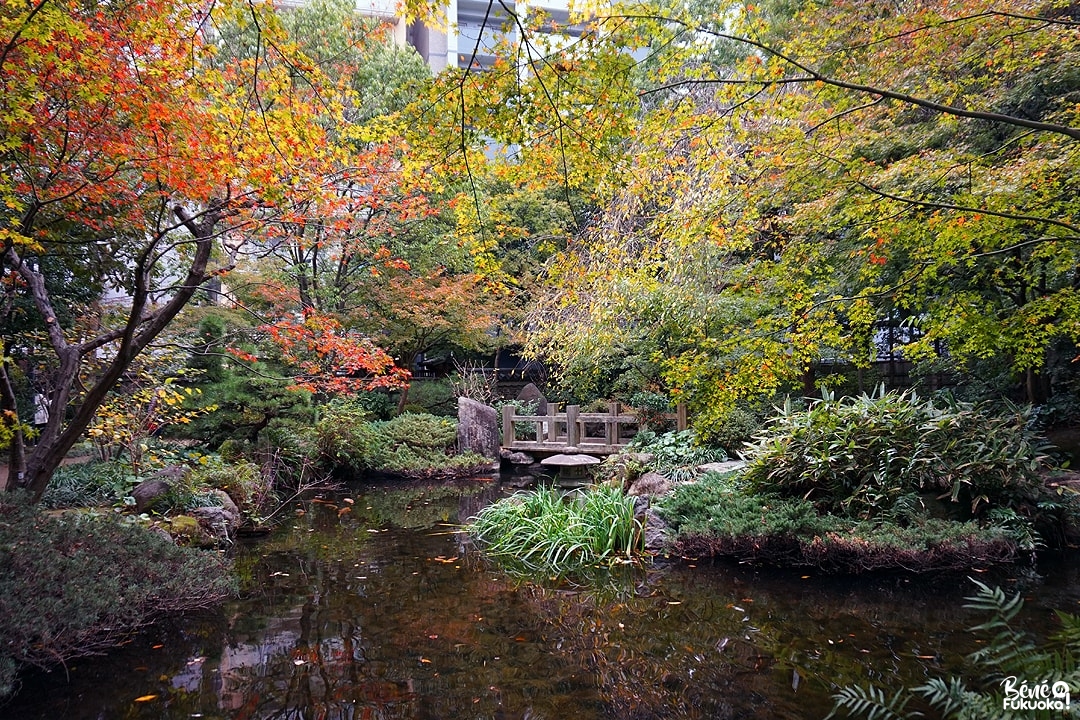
point(478, 429)
point(516, 458)
point(531, 393)
point(722, 467)
point(657, 532)
point(150, 491)
point(650, 484)
point(232, 512)
point(216, 522)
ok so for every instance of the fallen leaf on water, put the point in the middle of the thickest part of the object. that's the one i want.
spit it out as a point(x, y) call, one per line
point(146, 698)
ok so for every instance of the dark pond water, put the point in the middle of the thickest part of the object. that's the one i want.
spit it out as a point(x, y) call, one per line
point(379, 609)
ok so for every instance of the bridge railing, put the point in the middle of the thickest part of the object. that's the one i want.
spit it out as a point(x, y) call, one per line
point(575, 431)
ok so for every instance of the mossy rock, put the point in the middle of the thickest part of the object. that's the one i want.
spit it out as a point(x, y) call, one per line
point(188, 531)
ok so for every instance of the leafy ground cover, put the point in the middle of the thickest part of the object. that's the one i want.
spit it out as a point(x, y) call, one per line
point(719, 515)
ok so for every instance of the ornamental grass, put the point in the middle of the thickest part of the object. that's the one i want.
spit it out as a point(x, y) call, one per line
point(547, 529)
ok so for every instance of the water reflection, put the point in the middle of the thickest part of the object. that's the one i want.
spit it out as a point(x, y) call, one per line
point(372, 605)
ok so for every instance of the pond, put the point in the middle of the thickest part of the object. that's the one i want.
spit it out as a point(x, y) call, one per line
point(371, 604)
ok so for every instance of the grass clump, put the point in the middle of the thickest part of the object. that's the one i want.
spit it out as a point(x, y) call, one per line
point(78, 584)
point(546, 529)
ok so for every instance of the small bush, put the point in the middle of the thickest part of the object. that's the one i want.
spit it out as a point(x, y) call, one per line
point(549, 530)
point(240, 479)
point(735, 429)
point(652, 410)
point(79, 584)
point(523, 430)
point(859, 456)
point(675, 453)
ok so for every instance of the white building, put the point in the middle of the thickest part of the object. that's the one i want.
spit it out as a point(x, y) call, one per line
point(474, 29)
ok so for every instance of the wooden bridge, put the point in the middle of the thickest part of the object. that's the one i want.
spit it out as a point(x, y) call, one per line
point(574, 431)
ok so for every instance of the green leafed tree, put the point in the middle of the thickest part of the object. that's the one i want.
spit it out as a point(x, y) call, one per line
point(798, 176)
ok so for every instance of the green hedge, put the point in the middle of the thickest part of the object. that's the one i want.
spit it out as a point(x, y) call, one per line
point(411, 445)
point(78, 584)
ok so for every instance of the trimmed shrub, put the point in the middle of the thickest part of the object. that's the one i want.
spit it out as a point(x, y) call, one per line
point(79, 584)
point(410, 445)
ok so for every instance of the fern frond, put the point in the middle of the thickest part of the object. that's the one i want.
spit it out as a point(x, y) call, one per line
point(871, 703)
point(995, 601)
point(945, 697)
point(1069, 634)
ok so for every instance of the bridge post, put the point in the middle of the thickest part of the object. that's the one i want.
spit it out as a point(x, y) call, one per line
point(611, 436)
point(681, 422)
point(508, 425)
point(572, 429)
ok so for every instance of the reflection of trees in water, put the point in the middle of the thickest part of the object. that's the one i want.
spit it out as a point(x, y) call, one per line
point(312, 659)
point(430, 631)
point(686, 643)
point(648, 658)
point(340, 622)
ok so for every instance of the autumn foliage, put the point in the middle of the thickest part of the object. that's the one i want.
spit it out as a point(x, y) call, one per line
point(137, 148)
point(331, 360)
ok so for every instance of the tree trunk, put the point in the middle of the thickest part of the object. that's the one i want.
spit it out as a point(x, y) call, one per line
point(1035, 387)
point(17, 451)
point(142, 327)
